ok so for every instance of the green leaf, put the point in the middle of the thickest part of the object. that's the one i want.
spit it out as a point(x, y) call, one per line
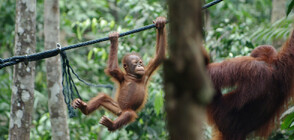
point(104, 54)
point(158, 103)
point(290, 7)
point(90, 54)
point(103, 23)
point(287, 122)
point(94, 25)
point(85, 25)
point(79, 34)
point(112, 24)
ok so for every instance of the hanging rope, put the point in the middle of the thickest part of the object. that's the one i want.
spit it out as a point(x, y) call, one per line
point(70, 91)
point(69, 87)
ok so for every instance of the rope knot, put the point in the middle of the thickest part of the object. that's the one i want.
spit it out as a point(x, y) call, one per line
point(58, 46)
point(26, 61)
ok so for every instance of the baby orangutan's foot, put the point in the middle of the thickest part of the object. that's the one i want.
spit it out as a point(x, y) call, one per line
point(78, 103)
point(107, 122)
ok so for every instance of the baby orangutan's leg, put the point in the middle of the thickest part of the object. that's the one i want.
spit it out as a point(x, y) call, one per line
point(126, 117)
point(100, 100)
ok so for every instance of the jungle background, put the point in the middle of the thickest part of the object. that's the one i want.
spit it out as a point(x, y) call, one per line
point(232, 28)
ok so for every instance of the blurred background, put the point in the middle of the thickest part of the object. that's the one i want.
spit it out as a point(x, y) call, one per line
point(231, 28)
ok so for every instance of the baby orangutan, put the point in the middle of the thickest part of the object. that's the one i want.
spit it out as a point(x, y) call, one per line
point(131, 94)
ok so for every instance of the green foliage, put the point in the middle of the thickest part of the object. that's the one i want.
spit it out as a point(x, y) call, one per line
point(230, 33)
point(40, 130)
point(7, 9)
point(158, 102)
point(228, 40)
point(7, 16)
point(5, 80)
point(288, 116)
point(279, 30)
point(287, 126)
point(290, 6)
point(248, 12)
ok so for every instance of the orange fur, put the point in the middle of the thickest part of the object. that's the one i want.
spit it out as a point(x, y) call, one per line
point(263, 86)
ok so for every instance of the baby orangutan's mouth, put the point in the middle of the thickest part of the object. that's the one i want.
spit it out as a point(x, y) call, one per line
point(140, 69)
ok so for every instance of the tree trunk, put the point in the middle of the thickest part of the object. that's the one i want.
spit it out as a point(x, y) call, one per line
point(207, 20)
point(113, 9)
point(57, 108)
point(278, 12)
point(22, 98)
point(187, 86)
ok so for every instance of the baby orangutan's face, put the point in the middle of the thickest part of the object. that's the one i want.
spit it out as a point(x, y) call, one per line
point(134, 65)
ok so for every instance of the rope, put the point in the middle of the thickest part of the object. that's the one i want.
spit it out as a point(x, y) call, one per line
point(211, 4)
point(50, 53)
point(70, 91)
point(69, 88)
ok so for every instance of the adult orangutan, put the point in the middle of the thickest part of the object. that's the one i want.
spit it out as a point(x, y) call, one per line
point(131, 95)
point(259, 87)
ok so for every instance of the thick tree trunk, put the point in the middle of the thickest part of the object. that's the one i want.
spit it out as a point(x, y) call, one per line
point(57, 108)
point(23, 75)
point(278, 12)
point(187, 87)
